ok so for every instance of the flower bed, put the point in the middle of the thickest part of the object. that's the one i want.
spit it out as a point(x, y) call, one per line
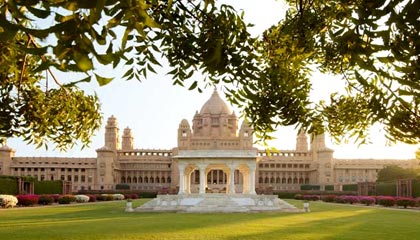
point(8, 201)
point(82, 198)
point(27, 199)
point(46, 200)
point(405, 202)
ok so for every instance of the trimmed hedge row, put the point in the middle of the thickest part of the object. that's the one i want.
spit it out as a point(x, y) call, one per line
point(48, 187)
point(386, 201)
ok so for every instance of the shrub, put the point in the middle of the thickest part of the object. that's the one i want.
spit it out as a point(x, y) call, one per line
point(66, 199)
point(351, 199)
point(109, 197)
point(328, 198)
point(311, 197)
point(367, 200)
point(55, 197)
point(27, 199)
point(298, 197)
point(386, 201)
point(418, 201)
point(82, 198)
point(405, 202)
point(134, 196)
point(340, 199)
point(8, 201)
point(48, 187)
point(101, 197)
point(45, 199)
point(118, 196)
point(92, 198)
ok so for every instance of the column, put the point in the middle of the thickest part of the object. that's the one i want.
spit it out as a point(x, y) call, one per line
point(252, 169)
point(181, 170)
point(203, 176)
point(232, 179)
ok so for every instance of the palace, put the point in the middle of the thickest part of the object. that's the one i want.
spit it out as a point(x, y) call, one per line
point(224, 156)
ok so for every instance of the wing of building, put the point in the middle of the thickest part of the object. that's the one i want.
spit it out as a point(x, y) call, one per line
point(214, 131)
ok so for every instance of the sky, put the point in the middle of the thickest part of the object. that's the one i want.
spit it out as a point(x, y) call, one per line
point(154, 108)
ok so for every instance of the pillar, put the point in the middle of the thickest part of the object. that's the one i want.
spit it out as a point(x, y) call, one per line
point(252, 169)
point(203, 180)
point(181, 170)
point(232, 179)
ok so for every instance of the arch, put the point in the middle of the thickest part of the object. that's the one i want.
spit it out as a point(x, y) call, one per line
point(278, 180)
point(260, 180)
point(301, 181)
point(152, 180)
point(272, 180)
point(289, 180)
point(140, 180)
point(122, 179)
point(146, 179)
point(128, 179)
point(134, 180)
point(283, 180)
point(162, 180)
point(295, 180)
point(157, 180)
point(266, 180)
point(169, 180)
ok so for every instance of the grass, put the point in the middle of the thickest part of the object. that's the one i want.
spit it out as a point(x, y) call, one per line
point(107, 220)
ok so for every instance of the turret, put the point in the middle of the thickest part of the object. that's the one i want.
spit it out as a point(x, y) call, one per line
point(112, 138)
point(246, 135)
point(301, 142)
point(6, 155)
point(184, 134)
point(323, 159)
point(127, 139)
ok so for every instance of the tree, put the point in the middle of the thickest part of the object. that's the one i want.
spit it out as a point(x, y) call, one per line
point(394, 172)
point(372, 45)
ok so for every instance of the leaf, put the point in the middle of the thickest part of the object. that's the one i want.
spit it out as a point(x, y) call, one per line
point(193, 86)
point(102, 81)
point(82, 60)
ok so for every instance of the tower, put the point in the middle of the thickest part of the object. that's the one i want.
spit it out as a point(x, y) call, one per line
point(323, 159)
point(6, 155)
point(246, 135)
point(127, 140)
point(301, 142)
point(184, 134)
point(112, 138)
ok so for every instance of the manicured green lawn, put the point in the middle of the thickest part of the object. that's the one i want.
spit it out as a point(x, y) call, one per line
point(107, 220)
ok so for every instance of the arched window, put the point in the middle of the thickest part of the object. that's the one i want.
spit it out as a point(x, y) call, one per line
point(162, 180)
point(272, 180)
point(295, 180)
point(260, 180)
point(289, 180)
point(146, 179)
point(266, 180)
point(278, 180)
point(157, 180)
point(134, 180)
point(169, 180)
point(301, 180)
point(128, 179)
point(283, 180)
point(140, 179)
point(122, 179)
point(152, 180)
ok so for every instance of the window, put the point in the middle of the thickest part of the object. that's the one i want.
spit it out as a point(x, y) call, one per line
point(214, 121)
point(69, 178)
point(82, 178)
point(76, 178)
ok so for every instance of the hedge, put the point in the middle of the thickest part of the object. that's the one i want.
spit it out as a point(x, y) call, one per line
point(386, 189)
point(8, 186)
point(416, 188)
point(310, 187)
point(350, 187)
point(48, 187)
point(122, 186)
point(329, 188)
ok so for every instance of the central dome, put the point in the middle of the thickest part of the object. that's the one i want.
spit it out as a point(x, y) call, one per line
point(215, 105)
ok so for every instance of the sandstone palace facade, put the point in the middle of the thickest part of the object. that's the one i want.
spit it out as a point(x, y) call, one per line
point(215, 127)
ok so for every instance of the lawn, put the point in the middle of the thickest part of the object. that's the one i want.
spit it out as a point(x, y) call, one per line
point(107, 220)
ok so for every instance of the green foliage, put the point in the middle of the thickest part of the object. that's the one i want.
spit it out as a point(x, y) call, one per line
point(329, 188)
point(416, 187)
point(122, 186)
point(66, 199)
point(48, 187)
point(8, 185)
point(310, 187)
point(371, 45)
point(386, 189)
point(45, 200)
point(394, 172)
point(350, 187)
